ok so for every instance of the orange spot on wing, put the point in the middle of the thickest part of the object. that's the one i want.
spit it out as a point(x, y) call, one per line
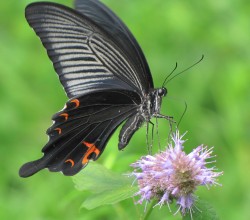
point(76, 101)
point(65, 115)
point(87, 144)
point(71, 161)
point(91, 149)
point(59, 130)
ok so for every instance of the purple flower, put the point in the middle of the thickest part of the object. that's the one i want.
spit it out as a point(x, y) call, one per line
point(173, 175)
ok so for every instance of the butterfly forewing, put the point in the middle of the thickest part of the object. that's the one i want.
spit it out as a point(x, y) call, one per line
point(84, 55)
point(108, 21)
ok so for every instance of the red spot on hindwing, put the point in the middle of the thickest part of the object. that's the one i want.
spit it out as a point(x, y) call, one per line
point(59, 130)
point(71, 161)
point(65, 115)
point(76, 101)
point(91, 149)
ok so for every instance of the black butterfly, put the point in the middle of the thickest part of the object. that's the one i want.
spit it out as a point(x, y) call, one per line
point(105, 75)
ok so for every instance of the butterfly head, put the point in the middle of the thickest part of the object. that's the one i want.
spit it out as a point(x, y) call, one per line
point(158, 95)
point(152, 104)
point(162, 92)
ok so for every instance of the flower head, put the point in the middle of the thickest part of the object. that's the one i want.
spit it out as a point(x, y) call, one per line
point(174, 175)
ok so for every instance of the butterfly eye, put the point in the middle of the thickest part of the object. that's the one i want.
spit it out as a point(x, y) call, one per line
point(162, 91)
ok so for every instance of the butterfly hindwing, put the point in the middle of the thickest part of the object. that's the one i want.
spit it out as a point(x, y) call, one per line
point(82, 129)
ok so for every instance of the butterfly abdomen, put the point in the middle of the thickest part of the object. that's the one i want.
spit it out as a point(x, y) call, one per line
point(129, 128)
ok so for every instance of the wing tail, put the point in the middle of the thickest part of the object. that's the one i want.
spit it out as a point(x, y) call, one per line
point(30, 168)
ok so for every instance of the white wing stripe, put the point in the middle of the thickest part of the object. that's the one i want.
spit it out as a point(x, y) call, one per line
point(87, 75)
point(77, 57)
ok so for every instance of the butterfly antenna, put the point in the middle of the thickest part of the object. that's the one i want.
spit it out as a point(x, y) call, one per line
point(166, 81)
point(185, 110)
point(163, 84)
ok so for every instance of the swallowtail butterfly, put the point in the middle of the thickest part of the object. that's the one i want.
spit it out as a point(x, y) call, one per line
point(105, 76)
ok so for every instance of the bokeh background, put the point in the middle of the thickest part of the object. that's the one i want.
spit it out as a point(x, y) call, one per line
point(216, 92)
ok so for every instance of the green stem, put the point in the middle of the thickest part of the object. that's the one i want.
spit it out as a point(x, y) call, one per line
point(150, 209)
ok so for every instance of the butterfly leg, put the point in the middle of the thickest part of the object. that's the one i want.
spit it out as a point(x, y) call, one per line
point(147, 142)
point(171, 122)
point(152, 135)
point(170, 130)
point(157, 133)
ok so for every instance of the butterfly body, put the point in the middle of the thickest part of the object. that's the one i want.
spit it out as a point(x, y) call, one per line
point(105, 75)
point(149, 107)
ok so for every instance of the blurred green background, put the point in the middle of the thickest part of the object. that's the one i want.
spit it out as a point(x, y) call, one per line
point(216, 91)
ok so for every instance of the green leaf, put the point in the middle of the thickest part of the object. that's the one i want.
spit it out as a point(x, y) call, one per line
point(204, 211)
point(106, 186)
